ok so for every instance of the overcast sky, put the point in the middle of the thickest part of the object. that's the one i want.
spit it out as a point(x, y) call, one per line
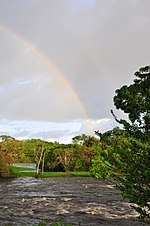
point(62, 60)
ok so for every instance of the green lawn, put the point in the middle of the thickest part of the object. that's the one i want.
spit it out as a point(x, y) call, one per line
point(27, 172)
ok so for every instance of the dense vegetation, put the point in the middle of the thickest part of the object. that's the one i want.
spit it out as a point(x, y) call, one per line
point(121, 154)
point(48, 156)
point(125, 155)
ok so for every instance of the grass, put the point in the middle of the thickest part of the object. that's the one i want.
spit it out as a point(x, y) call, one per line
point(27, 172)
point(22, 172)
point(56, 223)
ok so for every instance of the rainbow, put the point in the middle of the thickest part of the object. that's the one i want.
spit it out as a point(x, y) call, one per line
point(46, 59)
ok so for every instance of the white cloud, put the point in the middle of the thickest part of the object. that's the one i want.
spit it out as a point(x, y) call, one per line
point(53, 131)
point(90, 125)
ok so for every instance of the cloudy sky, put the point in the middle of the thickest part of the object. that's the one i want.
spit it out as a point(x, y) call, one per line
point(62, 60)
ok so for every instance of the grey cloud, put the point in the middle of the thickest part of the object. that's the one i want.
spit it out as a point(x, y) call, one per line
point(50, 134)
point(22, 133)
point(96, 45)
point(5, 133)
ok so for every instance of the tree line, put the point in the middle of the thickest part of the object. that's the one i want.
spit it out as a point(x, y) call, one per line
point(48, 156)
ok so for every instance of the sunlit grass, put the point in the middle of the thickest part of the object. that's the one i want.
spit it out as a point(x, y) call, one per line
point(22, 172)
point(28, 172)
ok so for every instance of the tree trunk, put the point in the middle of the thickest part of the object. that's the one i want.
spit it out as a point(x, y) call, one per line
point(38, 164)
point(43, 162)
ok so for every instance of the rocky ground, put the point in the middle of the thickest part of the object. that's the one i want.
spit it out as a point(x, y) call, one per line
point(78, 200)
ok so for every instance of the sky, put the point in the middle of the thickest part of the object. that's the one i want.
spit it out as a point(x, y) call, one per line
point(62, 60)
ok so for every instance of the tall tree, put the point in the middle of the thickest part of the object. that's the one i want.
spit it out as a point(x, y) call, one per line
point(135, 101)
point(126, 153)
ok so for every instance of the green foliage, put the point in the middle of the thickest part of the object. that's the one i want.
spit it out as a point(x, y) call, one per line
point(6, 157)
point(48, 156)
point(101, 168)
point(135, 101)
point(60, 223)
point(125, 154)
point(69, 157)
point(127, 160)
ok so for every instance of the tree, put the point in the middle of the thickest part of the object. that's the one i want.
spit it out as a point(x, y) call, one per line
point(86, 140)
point(135, 101)
point(80, 139)
point(6, 155)
point(40, 149)
point(83, 149)
point(126, 153)
point(35, 151)
point(11, 150)
point(6, 138)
